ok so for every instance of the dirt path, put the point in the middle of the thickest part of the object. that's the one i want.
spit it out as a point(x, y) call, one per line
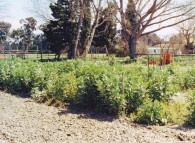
point(24, 121)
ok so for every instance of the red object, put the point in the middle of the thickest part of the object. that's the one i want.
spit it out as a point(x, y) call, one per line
point(166, 59)
point(152, 63)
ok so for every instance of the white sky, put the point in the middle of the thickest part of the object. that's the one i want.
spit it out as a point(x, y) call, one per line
point(17, 10)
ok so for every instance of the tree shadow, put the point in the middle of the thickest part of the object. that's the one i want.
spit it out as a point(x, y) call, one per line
point(16, 94)
point(184, 127)
point(52, 60)
point(86, 113)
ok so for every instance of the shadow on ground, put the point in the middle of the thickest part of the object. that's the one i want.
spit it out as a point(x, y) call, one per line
point(87, 114)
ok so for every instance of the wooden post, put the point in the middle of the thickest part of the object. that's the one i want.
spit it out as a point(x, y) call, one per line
point(148, 66)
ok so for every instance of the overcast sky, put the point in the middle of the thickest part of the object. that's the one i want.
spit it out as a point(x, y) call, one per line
point(17, 10)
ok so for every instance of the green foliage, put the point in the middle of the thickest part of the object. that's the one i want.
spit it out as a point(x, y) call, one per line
point(162, 113)
point(61, 32)
point(185, 78)
point(62, 87)
point(159, 85)
point(191, 109)
point(111, 88)
point(175, 113)
point(149, 112)
point(88, 95)
point(16, 77)
point(105, 33)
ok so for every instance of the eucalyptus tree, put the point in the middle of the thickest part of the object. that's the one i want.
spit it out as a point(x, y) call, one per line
point(4, 30)
point(28, 26)
point(96, 8)
point(86, 26)
point(142, 17)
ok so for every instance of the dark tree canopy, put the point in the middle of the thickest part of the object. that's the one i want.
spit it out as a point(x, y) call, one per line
point(106, 31)
point(85, 26)
point(60, 31)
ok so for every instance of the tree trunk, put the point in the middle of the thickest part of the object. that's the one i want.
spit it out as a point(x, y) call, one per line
point(92, 33)
point(132, 47)
point(93, 29)
point(78, 30)
point(70, 53)
point(41, 52)
point(88, 46)
point(58, 56)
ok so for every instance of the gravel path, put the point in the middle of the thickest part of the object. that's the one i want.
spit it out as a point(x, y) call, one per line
point(24, 121)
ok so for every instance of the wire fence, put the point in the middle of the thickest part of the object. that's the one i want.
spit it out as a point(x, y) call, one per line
point(150, 59)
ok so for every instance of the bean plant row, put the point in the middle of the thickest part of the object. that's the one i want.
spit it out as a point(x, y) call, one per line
point(118, 89)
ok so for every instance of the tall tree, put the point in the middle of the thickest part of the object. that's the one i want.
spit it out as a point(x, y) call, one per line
point(187, 28)
point(16, 34)
point(97, 9)
point(142, 17)
point(5, 26)
point(152, 39)
point(29, 25)
point(39, 8)
point(86, 26)
point(60, 32)
point(106, 31)
point(80, 23)
point(4, 30)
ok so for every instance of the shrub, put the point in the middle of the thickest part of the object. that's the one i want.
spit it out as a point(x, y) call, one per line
point(17, 77)
point(175, 112)
point(191, 109)
point(111, 92)
point(160, 86)
point(105, 87)
point(149, 112)
point(185, 78)
point(62, 87)
point(88, 94)
point(135, 84)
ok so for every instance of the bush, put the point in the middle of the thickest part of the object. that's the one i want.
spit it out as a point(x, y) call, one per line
point(175, 112)
point(149, 112)
point(17, 77)
point(111, 88)
point(62, 87)
point(160, 86)
point(135, 84)
point(191, 109)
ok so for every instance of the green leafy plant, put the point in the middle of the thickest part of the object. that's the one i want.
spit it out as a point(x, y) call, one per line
point(104, 87)
point(160, 86)
point(149, 112)
point(174, 112)
point(191, 109)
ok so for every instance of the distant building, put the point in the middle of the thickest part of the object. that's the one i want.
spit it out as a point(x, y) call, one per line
point(166, 48)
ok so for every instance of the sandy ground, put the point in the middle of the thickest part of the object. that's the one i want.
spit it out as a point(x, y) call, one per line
point(24, 121)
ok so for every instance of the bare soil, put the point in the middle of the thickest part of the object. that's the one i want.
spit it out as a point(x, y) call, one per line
point(24, 121)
